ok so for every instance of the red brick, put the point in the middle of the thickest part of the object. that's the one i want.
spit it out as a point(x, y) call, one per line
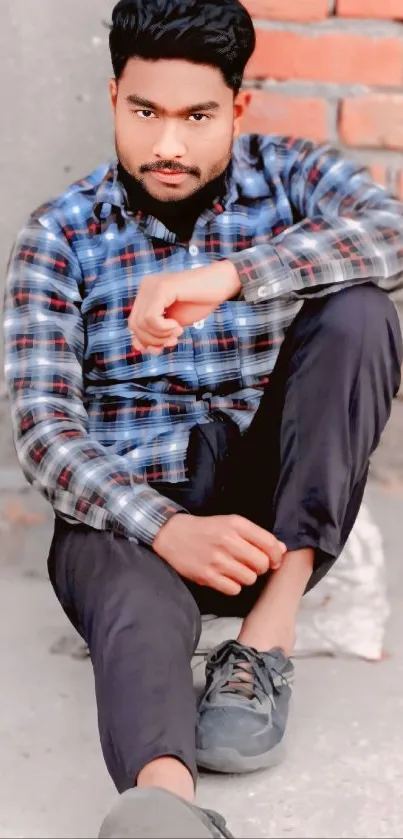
point(386, 9)
point(299, 10)
point(341, 57)
point(373, 120)
point(379, 173)
point(273, 113)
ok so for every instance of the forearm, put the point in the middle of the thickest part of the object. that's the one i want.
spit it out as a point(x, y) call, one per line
point(86, 483)
point(351, 232)
point(312, 262)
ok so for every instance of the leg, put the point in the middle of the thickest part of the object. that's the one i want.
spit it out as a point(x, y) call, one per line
point(325, 432)
point(271, 622)
point(141, 625)
point(319, 421)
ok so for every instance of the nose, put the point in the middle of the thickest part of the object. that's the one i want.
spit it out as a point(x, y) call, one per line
point(169, 145)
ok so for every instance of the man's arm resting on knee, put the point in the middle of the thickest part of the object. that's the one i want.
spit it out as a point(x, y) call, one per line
point(351, 233)
point(351, 229)
point(44, 345)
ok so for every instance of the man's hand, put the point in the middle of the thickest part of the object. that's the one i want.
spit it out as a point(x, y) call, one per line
point(165, 303)
point(222, 552)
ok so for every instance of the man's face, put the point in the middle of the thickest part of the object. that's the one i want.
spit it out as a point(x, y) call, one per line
point(174, 125)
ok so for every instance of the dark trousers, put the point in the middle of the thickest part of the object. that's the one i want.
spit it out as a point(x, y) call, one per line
point(300, 471)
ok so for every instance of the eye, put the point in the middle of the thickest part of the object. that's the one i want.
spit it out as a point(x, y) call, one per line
point(144, 113)
point(199, 117)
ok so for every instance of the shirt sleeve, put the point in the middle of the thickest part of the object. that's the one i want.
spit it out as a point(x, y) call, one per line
point(350, 230)
point(44, 346)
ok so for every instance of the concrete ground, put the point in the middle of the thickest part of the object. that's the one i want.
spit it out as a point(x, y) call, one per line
point(344, 772)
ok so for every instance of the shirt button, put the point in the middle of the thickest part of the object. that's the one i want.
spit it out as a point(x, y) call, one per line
point(199, 324)
point(262, 291)
point(193, 250)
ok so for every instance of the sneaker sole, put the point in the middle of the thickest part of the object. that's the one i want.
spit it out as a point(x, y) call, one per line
point(231, 762)
point(154, 814)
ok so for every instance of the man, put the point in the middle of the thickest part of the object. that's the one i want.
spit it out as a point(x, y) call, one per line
point(201, 358)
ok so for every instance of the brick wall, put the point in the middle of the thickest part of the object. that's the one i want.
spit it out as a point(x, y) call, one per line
point(332, 70)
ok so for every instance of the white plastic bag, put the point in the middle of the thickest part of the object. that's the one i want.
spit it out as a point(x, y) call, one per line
point(345, 614)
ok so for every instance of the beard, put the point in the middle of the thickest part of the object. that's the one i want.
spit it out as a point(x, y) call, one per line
point(178, 214)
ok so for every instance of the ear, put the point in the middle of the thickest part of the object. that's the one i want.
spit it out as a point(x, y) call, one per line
point(241, 104)
point(113, 93)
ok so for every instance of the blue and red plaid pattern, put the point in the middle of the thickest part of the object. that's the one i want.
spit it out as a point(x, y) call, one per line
point(95, 421)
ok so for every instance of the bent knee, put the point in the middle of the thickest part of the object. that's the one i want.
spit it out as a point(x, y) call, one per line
point(362, 319)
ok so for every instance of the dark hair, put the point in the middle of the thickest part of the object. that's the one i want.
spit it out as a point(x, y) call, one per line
point(219, 33)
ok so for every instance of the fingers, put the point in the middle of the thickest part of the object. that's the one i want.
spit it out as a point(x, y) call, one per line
point(161, 327)
point(157, 335)
point(246, 553)
point(156, 329)
point(225, 585)
point(154, 349)
point(236, 571)
point(229, 576)
point(261, 539)
point(151, 323)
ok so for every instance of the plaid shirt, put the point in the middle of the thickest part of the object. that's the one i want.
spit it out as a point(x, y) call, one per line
point(95, 421)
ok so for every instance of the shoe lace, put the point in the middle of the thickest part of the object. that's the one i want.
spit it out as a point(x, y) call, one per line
point(245, 673)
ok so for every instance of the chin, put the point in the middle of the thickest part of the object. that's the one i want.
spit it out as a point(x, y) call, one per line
point(168, 194)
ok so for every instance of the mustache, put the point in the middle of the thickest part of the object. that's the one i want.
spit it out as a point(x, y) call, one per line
point(170, 166)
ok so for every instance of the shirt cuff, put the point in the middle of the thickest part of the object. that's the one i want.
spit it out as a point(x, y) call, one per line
point(152, 511)
point(262, 274)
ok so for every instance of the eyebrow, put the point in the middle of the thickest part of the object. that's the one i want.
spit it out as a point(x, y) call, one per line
point(132, 99)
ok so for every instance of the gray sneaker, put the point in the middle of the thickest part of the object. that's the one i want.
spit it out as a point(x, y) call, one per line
point(244, 709)
point(159, 814)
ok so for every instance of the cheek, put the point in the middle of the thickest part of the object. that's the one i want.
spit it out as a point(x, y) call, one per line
point(220, 142)
point(130, 140)
point(217, 139)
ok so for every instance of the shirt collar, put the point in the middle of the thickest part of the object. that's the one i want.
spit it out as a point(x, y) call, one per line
point(110, 195)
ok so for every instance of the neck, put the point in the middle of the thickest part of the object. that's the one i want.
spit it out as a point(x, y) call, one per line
point(178, 216)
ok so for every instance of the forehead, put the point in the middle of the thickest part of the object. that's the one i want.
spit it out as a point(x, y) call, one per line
point(174, 84)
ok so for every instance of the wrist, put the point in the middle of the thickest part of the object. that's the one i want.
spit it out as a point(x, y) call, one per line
point(230, 277)
point(164, 534)
point(216, 282)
